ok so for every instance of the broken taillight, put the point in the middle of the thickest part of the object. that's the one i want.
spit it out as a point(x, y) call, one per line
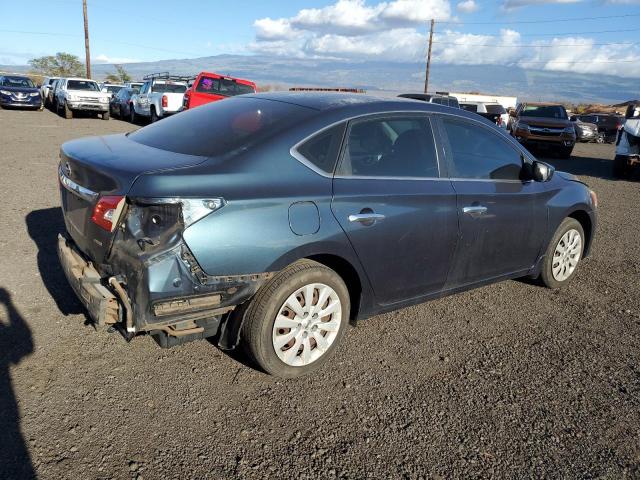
point(107, 211)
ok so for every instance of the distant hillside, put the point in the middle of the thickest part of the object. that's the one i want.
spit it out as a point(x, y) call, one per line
point(391, 77)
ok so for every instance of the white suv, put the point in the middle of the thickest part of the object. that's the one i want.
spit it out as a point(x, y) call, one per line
point(81, 94)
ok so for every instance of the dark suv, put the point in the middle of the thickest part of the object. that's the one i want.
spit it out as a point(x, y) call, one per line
point(276, 219)
point(544, 125)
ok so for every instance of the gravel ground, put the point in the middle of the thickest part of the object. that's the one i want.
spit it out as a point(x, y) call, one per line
point(510, 380)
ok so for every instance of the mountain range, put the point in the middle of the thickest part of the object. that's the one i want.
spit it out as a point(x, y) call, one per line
point(388, 78)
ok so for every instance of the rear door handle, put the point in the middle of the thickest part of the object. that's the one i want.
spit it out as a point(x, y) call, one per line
point(366, 218)
point(475, 210)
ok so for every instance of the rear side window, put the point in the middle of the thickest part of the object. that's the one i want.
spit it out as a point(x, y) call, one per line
point(469, 107)
point(322, 150)
point(453, 102)
point(390, 147)
point(479, 153)
point(219, 128)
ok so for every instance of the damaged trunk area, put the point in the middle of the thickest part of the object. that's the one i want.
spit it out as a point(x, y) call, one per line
point(169, 293)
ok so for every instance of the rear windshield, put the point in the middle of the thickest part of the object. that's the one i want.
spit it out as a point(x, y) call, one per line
point(221, 127)
point(499, 109)
point(113, 88)
point(169, 87)
point(469, 107)
point(545, 111)
point(23, 82)
point(82, 85)
point(222, 86)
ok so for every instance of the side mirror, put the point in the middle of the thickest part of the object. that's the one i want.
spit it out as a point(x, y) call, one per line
point(542, 172)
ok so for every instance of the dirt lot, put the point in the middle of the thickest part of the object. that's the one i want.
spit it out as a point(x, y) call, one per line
point(510, 380)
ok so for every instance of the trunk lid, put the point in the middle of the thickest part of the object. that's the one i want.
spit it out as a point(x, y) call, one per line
point(94, 167)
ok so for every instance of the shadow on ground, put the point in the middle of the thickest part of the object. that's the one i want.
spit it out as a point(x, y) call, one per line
point(43, 227)
point(15, 344)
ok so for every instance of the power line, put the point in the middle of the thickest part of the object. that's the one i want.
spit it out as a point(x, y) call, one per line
point(533, 45)
point(555, 20)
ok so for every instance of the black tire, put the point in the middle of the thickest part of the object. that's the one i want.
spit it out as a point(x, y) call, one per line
point(258, 327)
point(133, 117)
point(620, 167)
point(68, 113)
point(565, 152)
point(154, 116)
point(546, 275)
point(106, 115)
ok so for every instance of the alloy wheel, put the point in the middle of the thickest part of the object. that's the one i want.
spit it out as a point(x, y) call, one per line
point(566, 255)
point(307, 324)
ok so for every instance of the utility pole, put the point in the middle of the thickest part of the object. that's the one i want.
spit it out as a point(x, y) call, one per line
point(426, 76)
point(86, 38)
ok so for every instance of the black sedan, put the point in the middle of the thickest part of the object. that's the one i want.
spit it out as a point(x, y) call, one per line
point(120, 103)
point(275, 219)
point(19, 91)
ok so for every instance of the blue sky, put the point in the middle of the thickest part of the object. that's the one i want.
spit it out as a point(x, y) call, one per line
point(467, 31)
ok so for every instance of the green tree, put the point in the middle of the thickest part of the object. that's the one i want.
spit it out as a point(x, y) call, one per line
point(59, 65)
point(120, 76)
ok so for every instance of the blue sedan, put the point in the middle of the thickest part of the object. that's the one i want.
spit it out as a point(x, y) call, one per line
point(19, 91)
point(275, 219)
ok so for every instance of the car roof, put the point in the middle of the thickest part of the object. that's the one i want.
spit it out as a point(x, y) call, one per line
point(81, 79)
point(543, 104)
point(359, 104)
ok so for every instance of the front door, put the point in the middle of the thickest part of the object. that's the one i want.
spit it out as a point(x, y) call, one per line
point(502, 218)
point(395, 208)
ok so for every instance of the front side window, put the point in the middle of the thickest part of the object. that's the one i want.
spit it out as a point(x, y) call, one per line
point(390, 147)
point(477, 153)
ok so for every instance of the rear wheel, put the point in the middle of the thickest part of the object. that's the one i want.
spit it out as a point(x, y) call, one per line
point(154, 115)
point(296, 321)
point(563, 254)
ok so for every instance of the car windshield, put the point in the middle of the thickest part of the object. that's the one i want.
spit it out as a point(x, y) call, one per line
point(169, 87)
point(219, 128)
point(545, 111)
point(19, 82)
point(113, 88)
point(83, 85)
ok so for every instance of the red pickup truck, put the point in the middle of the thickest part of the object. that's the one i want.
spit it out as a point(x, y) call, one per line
point(211, 87)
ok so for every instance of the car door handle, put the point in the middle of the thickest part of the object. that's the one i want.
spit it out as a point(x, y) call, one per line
point(475, 210)
point(366, 218)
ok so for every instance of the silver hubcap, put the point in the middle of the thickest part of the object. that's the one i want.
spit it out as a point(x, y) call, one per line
point(566, 255)
point(307, 324)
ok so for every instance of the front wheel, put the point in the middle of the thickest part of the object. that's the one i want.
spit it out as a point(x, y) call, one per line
point(565, 152)
point(563, 254)
point(620, 167)
point(133, 117)
point(296, 321)
point(106, 115)
point(68, 113)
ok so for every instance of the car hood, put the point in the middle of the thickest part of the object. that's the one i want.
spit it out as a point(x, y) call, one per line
point(545, 122)
point(20, 89)
point(88, 93)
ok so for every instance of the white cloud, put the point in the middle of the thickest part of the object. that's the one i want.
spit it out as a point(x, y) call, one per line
point(397, 31)
point(622, 2)
point(468, 6)
point(102, 58)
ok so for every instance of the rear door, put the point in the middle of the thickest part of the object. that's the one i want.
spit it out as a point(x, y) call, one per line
point(502, 219)
point(395, 206)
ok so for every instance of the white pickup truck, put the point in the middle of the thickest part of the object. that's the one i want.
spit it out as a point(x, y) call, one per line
point(161, 95)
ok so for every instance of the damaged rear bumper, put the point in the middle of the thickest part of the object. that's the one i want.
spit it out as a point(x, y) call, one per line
point(101, 303)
